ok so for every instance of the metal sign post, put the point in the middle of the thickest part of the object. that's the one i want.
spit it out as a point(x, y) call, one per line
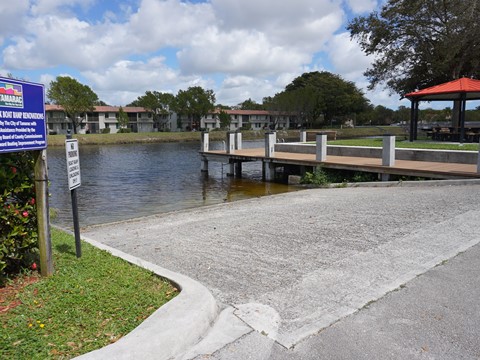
point(74, 181)
point(23, 128)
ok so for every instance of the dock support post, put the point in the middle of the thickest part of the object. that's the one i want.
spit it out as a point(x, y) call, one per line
point(303, 136)
point(388, 150)
point(204, 167)
point(238, 140)
point(238, 169)
point(230, 142)
point(268, 170)
point(321, 148)
point(205, 145)
point(231, 168)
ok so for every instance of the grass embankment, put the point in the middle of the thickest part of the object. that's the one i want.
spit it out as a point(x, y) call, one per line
point(349, 133)
point(153, 137)
point(406, 144)
point(88, 303)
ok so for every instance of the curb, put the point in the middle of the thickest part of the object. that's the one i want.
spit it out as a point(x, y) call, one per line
point(169, 331)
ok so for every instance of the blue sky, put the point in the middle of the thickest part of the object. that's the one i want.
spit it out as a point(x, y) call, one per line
point(240, 49)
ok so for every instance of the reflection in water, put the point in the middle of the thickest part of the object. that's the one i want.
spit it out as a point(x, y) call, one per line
point(126, 181)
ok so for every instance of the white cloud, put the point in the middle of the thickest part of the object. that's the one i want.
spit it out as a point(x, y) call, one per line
point(66, 41)
point(240, 49)
point(12, 14)
point(295, 24)
point(347, 57)
point(126, 80)
point(237, 89)
point(238, 52)
point(167, 23)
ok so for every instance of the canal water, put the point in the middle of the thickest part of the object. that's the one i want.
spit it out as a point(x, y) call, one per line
point(127, 181)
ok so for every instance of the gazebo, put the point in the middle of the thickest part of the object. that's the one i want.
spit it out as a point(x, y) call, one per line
point(461, 90)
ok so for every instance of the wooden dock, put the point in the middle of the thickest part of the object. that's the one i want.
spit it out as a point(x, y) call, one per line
point(437, 170)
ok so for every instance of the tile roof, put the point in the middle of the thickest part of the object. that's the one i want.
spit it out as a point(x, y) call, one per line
point(112, 109)
point(452, 90)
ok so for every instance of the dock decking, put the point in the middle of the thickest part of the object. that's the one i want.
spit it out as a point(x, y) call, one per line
point(439, 170)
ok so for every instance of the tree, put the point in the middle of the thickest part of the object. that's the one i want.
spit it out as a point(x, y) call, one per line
point(75, 98)
point(122, 118)
point(194, 103)
point(225, 120)
point(418, 43)
point(382, 115)
point(156, 103)
point(318, 97)
point(250, 105)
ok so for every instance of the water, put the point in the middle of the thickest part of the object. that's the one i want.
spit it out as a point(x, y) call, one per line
point(126, 181)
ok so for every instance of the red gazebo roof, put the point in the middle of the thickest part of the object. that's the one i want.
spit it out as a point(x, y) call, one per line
point(466, 88)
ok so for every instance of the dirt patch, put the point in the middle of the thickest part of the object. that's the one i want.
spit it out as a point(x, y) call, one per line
point(9, 293)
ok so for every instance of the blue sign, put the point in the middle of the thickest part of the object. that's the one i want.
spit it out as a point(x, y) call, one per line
point(23, 125)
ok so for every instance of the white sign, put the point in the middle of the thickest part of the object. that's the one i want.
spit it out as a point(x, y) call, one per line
point(73, 163)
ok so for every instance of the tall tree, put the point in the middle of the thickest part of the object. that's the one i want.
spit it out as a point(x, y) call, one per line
point(319, 97)
point(74, 97)
point(225, 120)
point(122, 118)
point(418, 43)
point(156, 103)
point(250, 105)
point(194, 103)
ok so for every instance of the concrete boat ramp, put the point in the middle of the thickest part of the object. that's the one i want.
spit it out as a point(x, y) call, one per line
point(286, 271)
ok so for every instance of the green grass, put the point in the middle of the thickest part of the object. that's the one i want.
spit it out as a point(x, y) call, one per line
point(406, 144)
point(88, 303)
point(153, 137)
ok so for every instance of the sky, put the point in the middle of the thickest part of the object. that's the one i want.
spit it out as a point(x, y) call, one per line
point(240, 49)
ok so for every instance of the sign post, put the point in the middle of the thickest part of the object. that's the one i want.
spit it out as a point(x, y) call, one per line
point(23, 128)
point(74, 181)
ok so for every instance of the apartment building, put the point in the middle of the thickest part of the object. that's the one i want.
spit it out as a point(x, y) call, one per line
point(250, 119)
point(141, 120)
point(106, 117)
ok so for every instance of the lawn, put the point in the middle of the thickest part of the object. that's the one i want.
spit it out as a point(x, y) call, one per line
point(88, 303)
point(406, 144)
point(153, 137)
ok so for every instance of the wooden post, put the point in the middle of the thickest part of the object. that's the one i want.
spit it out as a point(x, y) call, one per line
point(43, 215)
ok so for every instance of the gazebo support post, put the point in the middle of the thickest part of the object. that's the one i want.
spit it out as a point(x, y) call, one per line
point(412, 119)
point(463, 105)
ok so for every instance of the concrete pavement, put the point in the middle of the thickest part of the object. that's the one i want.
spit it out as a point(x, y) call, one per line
point(288, 266)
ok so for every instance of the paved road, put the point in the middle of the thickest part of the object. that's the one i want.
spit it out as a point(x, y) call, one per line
point(294, 264)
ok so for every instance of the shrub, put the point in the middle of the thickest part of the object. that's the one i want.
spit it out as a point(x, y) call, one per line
point(319, 177)
point(18, 214)
point(123, 131)
point(106, 131)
